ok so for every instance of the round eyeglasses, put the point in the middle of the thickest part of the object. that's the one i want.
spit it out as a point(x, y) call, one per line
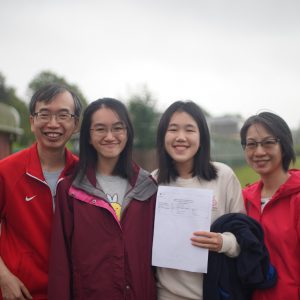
point(103, 130)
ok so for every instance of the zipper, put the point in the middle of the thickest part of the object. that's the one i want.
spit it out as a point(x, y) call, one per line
point(45, 182)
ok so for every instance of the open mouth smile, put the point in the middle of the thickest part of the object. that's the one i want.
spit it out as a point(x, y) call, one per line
point(52, 135)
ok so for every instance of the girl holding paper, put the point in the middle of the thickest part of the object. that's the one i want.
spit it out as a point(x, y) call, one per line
point(183, 147)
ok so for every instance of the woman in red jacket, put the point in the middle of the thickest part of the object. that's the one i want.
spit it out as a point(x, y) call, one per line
point(274, 200)
point(103, 224)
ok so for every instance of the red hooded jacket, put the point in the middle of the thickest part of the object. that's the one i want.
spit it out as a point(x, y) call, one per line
point(280, 220)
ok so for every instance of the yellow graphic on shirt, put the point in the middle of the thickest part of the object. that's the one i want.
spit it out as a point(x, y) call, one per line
point(114, 203)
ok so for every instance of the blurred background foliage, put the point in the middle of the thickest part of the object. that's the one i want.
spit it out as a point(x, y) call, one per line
point(145, 117)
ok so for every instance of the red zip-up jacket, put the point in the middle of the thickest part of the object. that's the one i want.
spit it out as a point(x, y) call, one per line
point(280, 220)
point(93, 255)
point(26, 212)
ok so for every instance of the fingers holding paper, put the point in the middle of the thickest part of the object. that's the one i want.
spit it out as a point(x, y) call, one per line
point(212, 241)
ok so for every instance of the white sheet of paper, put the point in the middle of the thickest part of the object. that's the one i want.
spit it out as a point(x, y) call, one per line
point(180, 212)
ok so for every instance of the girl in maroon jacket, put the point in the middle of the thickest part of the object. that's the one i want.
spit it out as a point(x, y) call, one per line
point(103, 225)
point(274, 200)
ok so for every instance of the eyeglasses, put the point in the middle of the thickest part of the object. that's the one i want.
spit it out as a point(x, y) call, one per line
point(46, 116)
point(266, 144)
point(103, 130)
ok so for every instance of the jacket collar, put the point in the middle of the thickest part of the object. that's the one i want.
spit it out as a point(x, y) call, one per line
point(34, 167)
point(142, 185)
point(253, 192)
point(91, 174)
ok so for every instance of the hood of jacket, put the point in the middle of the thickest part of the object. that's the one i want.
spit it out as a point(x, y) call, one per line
point(141, 187)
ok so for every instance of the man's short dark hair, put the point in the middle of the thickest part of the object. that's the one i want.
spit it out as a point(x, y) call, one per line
point(48, 92)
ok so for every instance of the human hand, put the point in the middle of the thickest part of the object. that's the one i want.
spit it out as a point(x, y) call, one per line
point(12, 288)
point(212, 241)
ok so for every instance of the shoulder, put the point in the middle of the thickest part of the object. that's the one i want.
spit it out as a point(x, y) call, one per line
point(145, 186)
point(140, 174)
point(294, 174)
point(16, 156)
point(15, 160)
point(251, 187)
point(223, 170)
point(221, 167)
point(71, 158)
point(251, 191)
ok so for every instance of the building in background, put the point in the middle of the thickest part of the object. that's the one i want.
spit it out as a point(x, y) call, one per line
point(225, 139)
point(9, 128)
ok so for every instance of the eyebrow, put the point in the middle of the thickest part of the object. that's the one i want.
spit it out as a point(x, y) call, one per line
point(185, 126)
point(48, 110)
point(113, 124)
point(263, 139)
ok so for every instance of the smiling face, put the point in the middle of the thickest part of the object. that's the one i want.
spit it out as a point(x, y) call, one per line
point(108, 135)
point(263, 160)
point(182, 140)
point(53, 135)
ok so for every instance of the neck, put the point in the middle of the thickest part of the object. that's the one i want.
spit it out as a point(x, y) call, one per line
point(273, 182)
point(184, 170)
point(106, 167)
point(51, 160)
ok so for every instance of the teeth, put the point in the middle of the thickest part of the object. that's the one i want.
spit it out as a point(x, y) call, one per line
point(52, 134)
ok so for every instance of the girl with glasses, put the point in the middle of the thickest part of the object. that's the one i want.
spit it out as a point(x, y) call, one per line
point(103, 225)
point(274, 200)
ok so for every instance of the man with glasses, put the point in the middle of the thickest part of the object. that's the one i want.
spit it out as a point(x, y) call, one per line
point(28, 182)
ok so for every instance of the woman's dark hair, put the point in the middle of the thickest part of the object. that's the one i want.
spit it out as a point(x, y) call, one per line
point(202, 167)
point(277, 127)
point(87, 153)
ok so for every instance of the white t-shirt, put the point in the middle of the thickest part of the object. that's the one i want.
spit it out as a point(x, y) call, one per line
point(264, 201)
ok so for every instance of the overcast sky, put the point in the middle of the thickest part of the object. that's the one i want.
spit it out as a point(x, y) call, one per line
point(230, 56)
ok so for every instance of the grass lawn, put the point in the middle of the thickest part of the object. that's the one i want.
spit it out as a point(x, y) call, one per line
point(247, 175)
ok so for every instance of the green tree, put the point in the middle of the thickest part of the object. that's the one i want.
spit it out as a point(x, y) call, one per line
point(144, 117)
point(46, 77)
point(8, 96)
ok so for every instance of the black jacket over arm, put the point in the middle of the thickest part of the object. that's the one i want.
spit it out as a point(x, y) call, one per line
point(236, 278)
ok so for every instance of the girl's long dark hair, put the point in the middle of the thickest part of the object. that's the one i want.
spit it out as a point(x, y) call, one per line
point(202, 167)
point(87, 153)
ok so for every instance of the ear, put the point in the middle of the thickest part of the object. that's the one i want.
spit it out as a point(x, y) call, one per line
point(31, 120)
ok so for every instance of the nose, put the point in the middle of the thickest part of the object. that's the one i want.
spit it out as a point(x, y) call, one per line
point(259, 150)
point(109, 135)
point(53, 121)
point(180, 135)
